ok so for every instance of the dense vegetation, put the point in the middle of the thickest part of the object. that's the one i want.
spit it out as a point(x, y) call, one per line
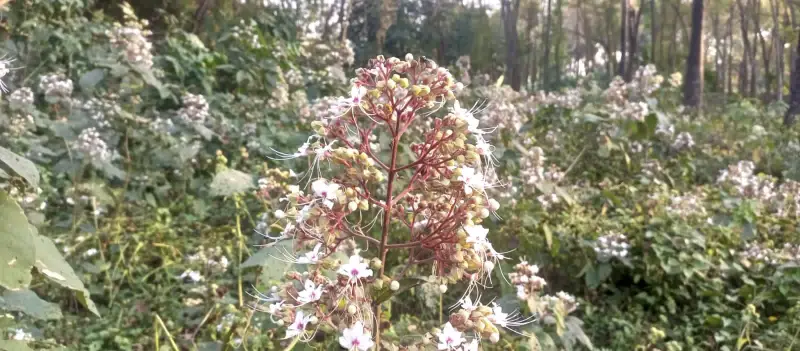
point(185, 176)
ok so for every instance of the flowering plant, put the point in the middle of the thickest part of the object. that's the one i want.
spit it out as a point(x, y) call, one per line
point(361, 192)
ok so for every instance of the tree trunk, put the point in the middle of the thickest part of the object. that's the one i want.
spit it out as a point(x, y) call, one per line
point(634, 18)
point(777, 41)
point(510, 12)
point(546, 57)
point(693, 84)
point(557, 48)
point(746, 55)
point(794, 88)
point(623, 38)
point(653, 31)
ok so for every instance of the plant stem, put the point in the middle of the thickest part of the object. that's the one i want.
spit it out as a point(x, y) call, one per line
point(169, 337)
point(387, 221)
point(241, 244)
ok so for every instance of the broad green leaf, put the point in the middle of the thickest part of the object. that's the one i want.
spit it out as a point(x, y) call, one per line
point(14, 345)
point(17, 249)
point(50, 263)
point(231, 181)
point(89, 79)
point(271, 258)
point(15, 164)
point(29, 303)
point(548, 236)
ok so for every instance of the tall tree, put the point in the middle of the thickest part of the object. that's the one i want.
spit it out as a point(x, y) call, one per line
point(693, 84)
point(546, 57)
point(510, 13)
point(794, 88)
point(623, 38)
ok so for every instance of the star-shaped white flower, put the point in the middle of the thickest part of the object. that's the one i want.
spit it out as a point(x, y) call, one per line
point(471, 346)
point(449, 338)
point(354, 338)
point(311, 293)
point(466, 116)
point(357, 92)
point(355, 268)
point(476, 234)
point(275, 307)
point(498, 317)
point(325, 190)
point(468, 305)
point(298, 326)
point(472, 180)
point(311, 257)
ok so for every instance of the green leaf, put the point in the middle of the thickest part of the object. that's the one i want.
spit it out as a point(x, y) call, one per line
point(231, 181)
point(17, 249)
point(14, 345)
point(271, 259)
point(50, 263)
point(28, 302)
point(548, 236)
point(15, 164)
point(91, 78)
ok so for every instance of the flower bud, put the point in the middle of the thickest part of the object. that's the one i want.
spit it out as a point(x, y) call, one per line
point(409, 57)
point(488, 266)
point(493, 205)
point(280, 322)
point(394, 285)
point(351, 309)
point(404, 83)
point(378, 284)
point(442, 288)
point(376, 263)
point(485, 213)
point(313, 320)
point(494, 338)
point(352, 206)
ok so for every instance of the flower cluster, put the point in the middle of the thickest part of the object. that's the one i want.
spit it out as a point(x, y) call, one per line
point(19, 123)
point(213, 258)
point(55, 85)
point(568, 99)
point(676, 79)
point(645, 81)
point(742, 180)
point(439, 196)
point(507, 108)
point(611, 245)
point(484, 321)
point(132, 40)
point(248, 33)
point(526, 281)
point(687, 205)
point(324, 110)
point(21, 99)
point(90, 143)
point(102, 111)
point(758, 253)
point(683, 141)
point(194, 110)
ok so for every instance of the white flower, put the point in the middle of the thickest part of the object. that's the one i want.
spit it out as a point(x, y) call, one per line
point(476, 234)
point(311, 293)
point(91, 252)
point(466, 116)
point(472, 180)
point(355, 338)
point(298, 326)
point(325, 190)
point(521, 293)
point(468, 305)
point(356, 94)
point(498, 317)
point(471, 346)
point(449, 338)
point(192, 275)
point(355, 268)
point(21, 335)
point(4, 70)
point(310, 257)
point(275, 307)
